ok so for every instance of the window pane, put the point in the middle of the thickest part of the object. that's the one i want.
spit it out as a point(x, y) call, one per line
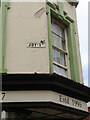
point(53, 39)
point(62, 32)
point(59, 70)
point(56, 56)
point(55, 28)
point(52, 26)
point(56, 40)
point(63, 44)
point(62, 59)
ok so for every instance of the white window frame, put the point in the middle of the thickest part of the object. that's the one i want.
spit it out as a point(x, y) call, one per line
point(65, 52)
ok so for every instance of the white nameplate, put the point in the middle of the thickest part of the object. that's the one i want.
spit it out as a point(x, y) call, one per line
point(41, 44)
point(42, 96)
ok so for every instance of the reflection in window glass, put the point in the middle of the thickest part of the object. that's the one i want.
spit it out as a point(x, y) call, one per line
point(56, 29)
point(62, 32)
point(56, 56)
point(63, 44)
point(56, 41)
point(62, 59)
point(59, 70)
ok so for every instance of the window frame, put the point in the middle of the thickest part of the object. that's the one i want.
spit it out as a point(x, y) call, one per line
point(60, 50)
point(56, 9)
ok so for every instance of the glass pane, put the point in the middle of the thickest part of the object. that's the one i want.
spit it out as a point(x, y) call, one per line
point(56, 29)
point(63, 44)
point(52, 26)
point(56, 40)
point(52, 38)
point(56, 56)
point(62, 59)
point(62, 32)
point(59, 70)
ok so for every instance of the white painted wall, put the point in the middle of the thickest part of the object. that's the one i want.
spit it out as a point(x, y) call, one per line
point(23, 27)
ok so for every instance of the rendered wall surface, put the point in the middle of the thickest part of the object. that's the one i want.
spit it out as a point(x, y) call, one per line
point(23, 27)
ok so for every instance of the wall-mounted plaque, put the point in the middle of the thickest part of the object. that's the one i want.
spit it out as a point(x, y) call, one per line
point(41, 44)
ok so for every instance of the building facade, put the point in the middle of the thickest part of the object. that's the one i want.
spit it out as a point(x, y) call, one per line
point(40, 62)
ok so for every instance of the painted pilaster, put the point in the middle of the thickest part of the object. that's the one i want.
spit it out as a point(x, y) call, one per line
point(49, 39)
point(4, 7)
point(73, 53)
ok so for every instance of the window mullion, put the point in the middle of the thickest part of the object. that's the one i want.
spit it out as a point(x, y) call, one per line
point(59, 65)
point(59, 49)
